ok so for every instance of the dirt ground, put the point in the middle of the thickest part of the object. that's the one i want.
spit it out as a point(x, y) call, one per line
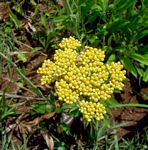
point(136, 117)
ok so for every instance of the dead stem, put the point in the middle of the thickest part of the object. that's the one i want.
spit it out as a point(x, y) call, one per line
point(19, 96)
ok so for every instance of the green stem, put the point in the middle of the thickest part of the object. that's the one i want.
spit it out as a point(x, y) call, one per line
point(130, 105)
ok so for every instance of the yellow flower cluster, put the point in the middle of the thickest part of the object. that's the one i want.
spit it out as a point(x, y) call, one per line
point(91, 109)
point(82, 76)
point(116, 75)
point(65, 93)
point(70, 43)
point(47, 71)
point(64, 59)
point(92, 57)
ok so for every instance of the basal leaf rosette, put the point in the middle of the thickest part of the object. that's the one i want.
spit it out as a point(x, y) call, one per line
point(82, 78)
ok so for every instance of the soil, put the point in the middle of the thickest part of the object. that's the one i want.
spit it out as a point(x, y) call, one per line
point(136, 117)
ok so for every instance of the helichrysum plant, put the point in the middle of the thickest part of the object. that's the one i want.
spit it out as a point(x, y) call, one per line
point(81, 76)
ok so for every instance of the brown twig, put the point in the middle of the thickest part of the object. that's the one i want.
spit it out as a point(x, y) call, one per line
point(19, 96)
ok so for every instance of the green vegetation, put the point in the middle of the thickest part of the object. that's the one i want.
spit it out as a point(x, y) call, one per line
point(35, 114)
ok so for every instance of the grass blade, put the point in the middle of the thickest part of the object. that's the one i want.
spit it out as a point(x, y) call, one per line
point(34, 88)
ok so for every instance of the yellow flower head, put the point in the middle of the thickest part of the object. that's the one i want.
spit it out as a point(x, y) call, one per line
point(92, 110)
point(70, 43)
point(82, 75)
point(47, 72)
